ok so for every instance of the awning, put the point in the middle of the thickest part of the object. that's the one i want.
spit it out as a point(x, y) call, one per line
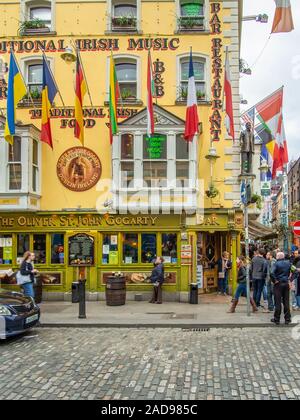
point(259, 231)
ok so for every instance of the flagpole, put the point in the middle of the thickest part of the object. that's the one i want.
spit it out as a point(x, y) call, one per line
point(28, 91)
point(50, 71)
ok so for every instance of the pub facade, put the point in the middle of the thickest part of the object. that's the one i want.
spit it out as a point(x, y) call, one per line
point(91, 210)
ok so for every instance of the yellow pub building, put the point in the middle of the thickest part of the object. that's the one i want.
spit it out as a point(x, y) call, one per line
point(89, 210)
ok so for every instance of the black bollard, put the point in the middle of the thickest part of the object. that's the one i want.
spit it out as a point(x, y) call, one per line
point(81, 292)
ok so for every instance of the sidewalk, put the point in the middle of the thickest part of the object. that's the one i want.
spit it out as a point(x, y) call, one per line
point(211, 312)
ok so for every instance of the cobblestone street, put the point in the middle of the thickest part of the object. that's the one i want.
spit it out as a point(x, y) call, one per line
point(75, 363)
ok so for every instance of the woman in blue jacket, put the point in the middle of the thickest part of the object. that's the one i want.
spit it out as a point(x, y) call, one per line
point(157, 278)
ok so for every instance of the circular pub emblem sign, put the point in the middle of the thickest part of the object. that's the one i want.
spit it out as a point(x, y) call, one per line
point(79, 169)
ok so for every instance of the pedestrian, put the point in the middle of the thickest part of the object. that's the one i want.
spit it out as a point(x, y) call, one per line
point(295, 283)
point(271, 260)
point(242, 286)
point(224, 265)
point(259, 272)
point(157, 278)
point(27, 270)
point(280, 279)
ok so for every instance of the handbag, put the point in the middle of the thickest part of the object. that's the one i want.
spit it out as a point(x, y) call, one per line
point(22, 279)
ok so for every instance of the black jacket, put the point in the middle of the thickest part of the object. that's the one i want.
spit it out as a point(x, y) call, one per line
point(259, 268)
point(26, 270)
point(281, 271)
point(242, 275)
point(157, 274)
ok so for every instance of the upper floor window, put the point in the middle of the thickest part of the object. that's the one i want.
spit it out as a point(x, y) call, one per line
point(155, 160)
point(127, 77)
point(38, 16)
point(127, 160)
point(200, 78)
point(42, 14)
point(35, 165)
point(191, 15)
point(15, 165)
point(35, 79)
point(124, 16)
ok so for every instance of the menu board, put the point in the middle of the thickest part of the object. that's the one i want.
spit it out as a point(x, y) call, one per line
point(81, 249)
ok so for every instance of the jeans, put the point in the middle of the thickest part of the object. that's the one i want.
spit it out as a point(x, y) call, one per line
point(223, 284)
point(258, 287)
point(294, 299)
point(270, 293)
point(282, 297)
point(241, 290)
point(28, 289)
point(298, 301)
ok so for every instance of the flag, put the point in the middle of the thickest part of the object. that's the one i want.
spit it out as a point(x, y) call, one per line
point(270, 110)
point(16, 91)
point(150, 93)
point(80, 91)
point(191, 119)
point(249, 116)
point(49, 91)
point(283, 19)
point(228, 99)
point(114, 95)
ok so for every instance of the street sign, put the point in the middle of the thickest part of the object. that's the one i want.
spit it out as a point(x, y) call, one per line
point(296, 228)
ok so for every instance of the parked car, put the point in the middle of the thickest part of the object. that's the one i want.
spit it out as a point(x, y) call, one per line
point(18, 313)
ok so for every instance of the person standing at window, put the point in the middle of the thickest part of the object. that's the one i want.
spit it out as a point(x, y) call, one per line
point(224, 265)
point(27, 269)
point(157, 278)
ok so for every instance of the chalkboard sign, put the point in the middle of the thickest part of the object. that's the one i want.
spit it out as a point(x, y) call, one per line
point(81, 249)
point(155, 147)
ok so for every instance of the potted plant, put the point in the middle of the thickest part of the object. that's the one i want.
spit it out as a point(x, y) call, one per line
point(127, 95)
point(256, 199)
point(33, 26)
point(35, 95)
point(191, 23)
point(183, 92)
point(200, 95)
point(124, 22)
point(212, 192)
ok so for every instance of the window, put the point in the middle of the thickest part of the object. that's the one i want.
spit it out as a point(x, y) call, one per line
point(127, 160)
point(35, 165)
point(39, 248)
point(127, 78)
point(124, 16)
point(192, 15)
point(169, 247)
point(199, 71)
point(148, 247)
point(155, 160)
point(130, 248)
point(35, 79)
point(110, 254)
point(182, 160)
point(5, 249)
point(15, 165)
point(23, 244)
point(57, 248)
point(42, 14)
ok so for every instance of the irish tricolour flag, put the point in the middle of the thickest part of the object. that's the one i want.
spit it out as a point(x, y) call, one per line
point(283, 19)
point(191, 119)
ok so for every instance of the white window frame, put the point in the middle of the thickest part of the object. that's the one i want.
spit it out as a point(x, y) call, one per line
point(110, 12)
point(206, 14)
point(207, 80)
point(120, 58)
point(26, 5)
point(35, 166)
point(25, 62)
point(14, 162)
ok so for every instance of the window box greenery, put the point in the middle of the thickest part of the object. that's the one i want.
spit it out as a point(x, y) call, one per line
point(183, 92)
point(191, 23)
point(31, 27)
point(124, 22)
point(256, 199)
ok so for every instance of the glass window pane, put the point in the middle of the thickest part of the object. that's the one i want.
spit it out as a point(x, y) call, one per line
point(169, 247)
point(57, 248)
point(22, 244)
point(198, 69)
point(127, 174)
point(127, 146)
point(15, 176)
point(14, 151)
point(182, 147)
point(128, 91)
point(5, 249)
point(35, 74)
point(41, 13)
point(126, 72)
point(35, 152)
point(127, 10)
point(130, 248)
point(39, 248)
point(182, 170)
point(34, 178)
point(148, 247)
point(192, 9)
point(110, 251)
point(155, 174)
point(155, 147)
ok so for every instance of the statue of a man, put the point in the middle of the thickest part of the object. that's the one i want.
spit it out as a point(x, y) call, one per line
point(247, 149)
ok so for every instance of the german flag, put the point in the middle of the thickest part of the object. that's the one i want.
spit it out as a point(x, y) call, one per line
point(80, 91)
point(49, 92)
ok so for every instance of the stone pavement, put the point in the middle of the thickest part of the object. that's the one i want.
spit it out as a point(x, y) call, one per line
point(168, 364)
point(211, 311)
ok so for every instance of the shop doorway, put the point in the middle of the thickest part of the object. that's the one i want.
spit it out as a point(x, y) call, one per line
point(210, 247)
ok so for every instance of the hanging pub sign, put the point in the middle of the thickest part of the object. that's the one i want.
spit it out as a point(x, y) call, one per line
point(217, 70)
point(81, 249)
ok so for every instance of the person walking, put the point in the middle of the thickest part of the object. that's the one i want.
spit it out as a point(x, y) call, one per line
point(27, 270)
point(271, 260)
point(280, 279)
point(242, 286)
point(224, 265)
point(157, 278)
point(294, 281)
point(259, 272)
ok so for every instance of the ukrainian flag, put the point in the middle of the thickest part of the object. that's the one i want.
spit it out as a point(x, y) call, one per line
point(16, 91)
point(49, 92)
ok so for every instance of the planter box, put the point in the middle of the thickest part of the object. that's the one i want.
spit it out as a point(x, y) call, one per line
point(36, 31)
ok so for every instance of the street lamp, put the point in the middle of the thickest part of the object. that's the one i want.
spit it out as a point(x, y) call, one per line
point(68, 55)
point(261, 18)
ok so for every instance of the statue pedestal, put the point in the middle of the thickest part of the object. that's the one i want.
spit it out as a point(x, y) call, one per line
point(247, 177)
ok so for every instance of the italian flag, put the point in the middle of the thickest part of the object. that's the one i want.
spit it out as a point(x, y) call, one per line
point(228, 99)
point(114, 95)
point(270, 110)
point(150, 93)
point(283, 19)
point(191, 119)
